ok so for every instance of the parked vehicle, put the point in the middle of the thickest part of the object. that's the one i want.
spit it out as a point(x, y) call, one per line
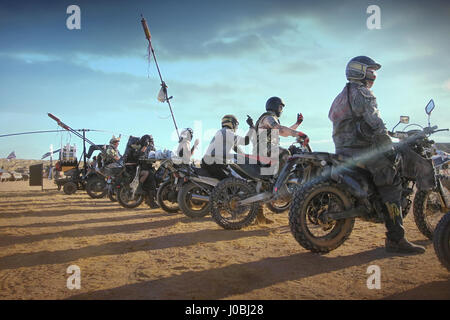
point(431, 205)
point(236, 200)
point(323, 211)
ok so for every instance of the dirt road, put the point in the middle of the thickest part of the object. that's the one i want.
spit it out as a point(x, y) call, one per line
point(150, 254)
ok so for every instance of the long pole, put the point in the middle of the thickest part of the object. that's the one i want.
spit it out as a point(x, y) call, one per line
point(163, 84)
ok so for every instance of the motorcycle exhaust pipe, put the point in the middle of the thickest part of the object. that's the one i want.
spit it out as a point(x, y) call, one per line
point(199, 197)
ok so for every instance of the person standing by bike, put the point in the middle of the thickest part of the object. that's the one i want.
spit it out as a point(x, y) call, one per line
point(112, 153)
point(360, 135)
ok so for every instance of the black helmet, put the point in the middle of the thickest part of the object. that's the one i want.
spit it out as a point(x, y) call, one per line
point(273, 104)
point(230, 121)
point(357, 67)
point(146, 140)
point(186, 133)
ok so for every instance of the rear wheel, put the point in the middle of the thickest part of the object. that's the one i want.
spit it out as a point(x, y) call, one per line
point(191, 207)
point(306, 216)
point(96, 187)
point(167, 197)
point(70, 188)
point(225, 209)
point(126, 198)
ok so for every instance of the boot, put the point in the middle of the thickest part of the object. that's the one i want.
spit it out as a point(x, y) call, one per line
point(261, 218)
point(151, 200)
point(403, 246)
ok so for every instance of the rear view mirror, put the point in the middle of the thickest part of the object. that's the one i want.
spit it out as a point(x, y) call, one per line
point(404, 119)
point(430, 106)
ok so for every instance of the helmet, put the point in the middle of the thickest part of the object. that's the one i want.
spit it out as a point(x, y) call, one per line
point(187, 133)
point(357, 68)
point(146, 140)
point(273, 104)
point(230, 121)
point(114, 140)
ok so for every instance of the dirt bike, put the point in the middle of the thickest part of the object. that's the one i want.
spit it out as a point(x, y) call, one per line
point(323, 211)
point(236, 200)
point(441, 240)
point(168, 189)
point(431, 205)
point(128, 194)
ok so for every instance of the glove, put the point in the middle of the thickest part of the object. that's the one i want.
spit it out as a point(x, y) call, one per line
point(250, 122)
point(302, 138)
point(299, 118)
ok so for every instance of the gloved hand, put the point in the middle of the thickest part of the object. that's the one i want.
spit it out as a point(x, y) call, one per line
point(302, 138)
point(250, 122)
point(299, 118)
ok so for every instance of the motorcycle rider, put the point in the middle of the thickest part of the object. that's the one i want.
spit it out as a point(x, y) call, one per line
point(268, 129)
point(184, 150)
point(112, 153)
point(360, 135)
point(147, 176)
point(219, 149)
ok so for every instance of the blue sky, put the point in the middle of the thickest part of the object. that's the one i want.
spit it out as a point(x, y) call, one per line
point(217, 57)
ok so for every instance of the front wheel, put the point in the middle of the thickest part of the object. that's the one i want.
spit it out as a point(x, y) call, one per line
point(96, 187)
point(441, 241)
point(167, 197)
point(306, 216)
point(428, 211)
point(225, 208)
point(126, 199)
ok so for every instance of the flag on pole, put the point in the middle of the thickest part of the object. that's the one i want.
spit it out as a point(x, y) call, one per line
point(48, 153)
point(12, 155)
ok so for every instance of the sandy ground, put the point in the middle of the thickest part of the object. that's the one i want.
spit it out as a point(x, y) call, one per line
point(150, 254)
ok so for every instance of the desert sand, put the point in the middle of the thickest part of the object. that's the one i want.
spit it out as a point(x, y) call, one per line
point(149, 254)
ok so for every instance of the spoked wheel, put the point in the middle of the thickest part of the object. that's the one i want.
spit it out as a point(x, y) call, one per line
point(307, 217)
point(96, 187)
point(167, 197)
point(441, 241)
point(191, 207)
point(127, 200)
point(225, 208)
point(428, 211)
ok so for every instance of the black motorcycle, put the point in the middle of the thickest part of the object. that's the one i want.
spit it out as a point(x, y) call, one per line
point(323, 211)
point(168, 187)
point(237, 200)
point(429, 206)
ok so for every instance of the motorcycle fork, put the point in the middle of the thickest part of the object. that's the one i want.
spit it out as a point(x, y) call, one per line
point(443, 197)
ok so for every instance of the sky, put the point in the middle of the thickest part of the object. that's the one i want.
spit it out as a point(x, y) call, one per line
point(217, 58)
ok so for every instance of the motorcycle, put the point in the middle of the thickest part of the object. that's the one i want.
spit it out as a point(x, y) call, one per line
point(323, 211)
point(168, 189)
point(431, 205)
point(128, 194)
point(237, 200)
point(441, 240)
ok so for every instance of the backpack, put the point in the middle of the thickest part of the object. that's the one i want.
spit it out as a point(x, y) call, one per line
point(128, 150)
